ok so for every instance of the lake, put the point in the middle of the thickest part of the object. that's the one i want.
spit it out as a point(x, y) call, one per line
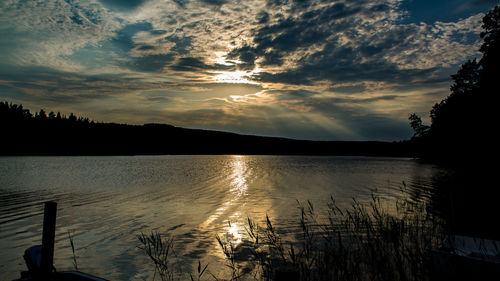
point(105, 202)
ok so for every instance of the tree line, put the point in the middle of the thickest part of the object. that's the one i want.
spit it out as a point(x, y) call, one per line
point(12, 114)
point(56, 134)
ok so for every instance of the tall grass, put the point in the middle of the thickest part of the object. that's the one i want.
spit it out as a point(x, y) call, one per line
point(72, 244)
point(366, 241)
point(159, 250)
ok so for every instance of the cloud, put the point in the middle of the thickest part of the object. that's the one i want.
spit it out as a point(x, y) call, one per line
point(45, 34)
point(352, 42)
point(182, 44)
point(215, 2)
point(197, 64)
point(47, 85)
point(349, 89)
point(320, 69)
point(123, 5)
point(124, 37)
point(151, 63)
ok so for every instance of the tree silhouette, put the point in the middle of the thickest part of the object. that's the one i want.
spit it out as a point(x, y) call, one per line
point(450, 116)
point(461, 136)
point(461, 124)
point(417, 125)
point(490, 48)
point(42, 115)
point(72, 118)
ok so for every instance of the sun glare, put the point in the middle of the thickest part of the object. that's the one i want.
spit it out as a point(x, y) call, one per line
point(237, 76)
point(240, 77)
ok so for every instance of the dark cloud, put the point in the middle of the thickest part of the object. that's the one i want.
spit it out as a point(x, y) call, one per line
point(148, 63)
point(215, 2)
point(151, 63)
point(246, 55)
point(123, 5)
point(12, 94)
point(272, 58)
point(262, 17)
point(344, 64)
point(291, 77)
point(364, 100)
point(43, 84)
point(182, 44)
point(275, 42)
point(380, 8)
point(196, 64)
point(366, 58)
point(181, 3)
point(123, 39)
point(333, 72)
point(190, 64)
point(348, 89)
point(76, 18)
point(158, 32)
point(146, 48)
point(292, 94)
point(276, 3)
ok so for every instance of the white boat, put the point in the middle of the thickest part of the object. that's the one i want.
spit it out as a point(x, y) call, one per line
point(466, 258)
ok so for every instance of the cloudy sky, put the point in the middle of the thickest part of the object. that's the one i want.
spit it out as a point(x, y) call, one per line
point(307, 69)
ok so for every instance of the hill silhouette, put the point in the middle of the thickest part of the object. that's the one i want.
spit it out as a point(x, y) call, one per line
point(55, 134)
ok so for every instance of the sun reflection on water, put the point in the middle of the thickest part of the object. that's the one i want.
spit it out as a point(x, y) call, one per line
point(239, 184)
point(235, 232)
point(237, 189)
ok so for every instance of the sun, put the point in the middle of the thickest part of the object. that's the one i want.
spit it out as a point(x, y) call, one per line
point(239, 77)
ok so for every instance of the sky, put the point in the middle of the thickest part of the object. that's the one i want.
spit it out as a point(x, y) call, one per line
point(303, 69)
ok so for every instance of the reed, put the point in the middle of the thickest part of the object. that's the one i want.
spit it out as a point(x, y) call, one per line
point(159, 250)
point(372, 241)
point(367, 241)
point(72, 244)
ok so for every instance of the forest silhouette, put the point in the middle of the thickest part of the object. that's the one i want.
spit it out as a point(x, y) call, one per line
point(56, 134)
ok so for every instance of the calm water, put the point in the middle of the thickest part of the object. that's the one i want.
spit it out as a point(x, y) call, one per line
point(105, 202)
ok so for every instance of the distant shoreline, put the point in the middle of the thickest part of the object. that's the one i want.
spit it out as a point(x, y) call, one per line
point(59, 135)
point(200, 142)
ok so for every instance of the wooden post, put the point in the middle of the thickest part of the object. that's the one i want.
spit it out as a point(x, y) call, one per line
point(48, 237)
point(287, 274)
